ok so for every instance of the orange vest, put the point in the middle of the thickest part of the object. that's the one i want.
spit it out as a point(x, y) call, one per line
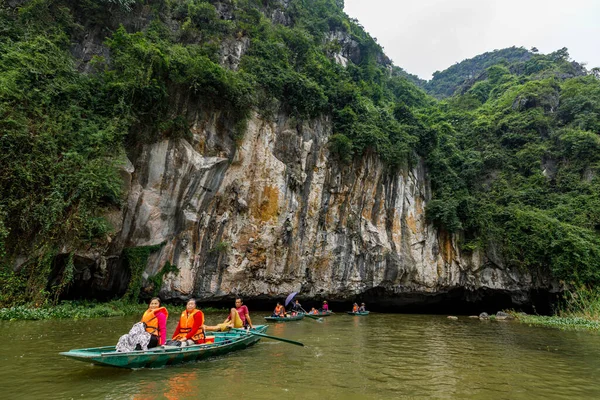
point(186, 323)
point(355, 309)
point(149, 318)
point(278, 310)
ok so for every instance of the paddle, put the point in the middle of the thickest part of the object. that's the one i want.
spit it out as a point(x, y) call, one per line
point(270, 337)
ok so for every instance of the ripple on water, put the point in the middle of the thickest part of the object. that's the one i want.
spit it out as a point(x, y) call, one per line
point(380, 356)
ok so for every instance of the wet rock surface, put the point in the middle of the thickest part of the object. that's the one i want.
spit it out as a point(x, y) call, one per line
point(276, 214)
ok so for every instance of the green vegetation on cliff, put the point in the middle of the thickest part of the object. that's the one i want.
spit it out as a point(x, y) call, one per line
point(67, 122)
point(513, 155)
point(516, 167)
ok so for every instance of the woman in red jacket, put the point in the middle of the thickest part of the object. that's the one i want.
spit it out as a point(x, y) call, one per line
point(189, 329)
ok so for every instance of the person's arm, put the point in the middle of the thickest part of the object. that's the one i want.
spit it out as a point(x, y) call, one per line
point(248, 318)
point(176, 330)
point(162, 327)
point(198, 322)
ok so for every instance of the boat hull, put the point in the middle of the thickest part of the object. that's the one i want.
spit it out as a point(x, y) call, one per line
point(286, 319)
point(360, 314)
point(225, 342)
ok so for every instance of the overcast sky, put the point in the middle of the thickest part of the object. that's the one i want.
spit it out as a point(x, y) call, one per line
point(424, 36)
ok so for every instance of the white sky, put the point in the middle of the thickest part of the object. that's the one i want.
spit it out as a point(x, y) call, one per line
point(424, 36)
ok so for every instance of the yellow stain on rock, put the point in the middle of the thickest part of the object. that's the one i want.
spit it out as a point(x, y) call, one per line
point(447, 249)
point(412, 223)
point(267, 205)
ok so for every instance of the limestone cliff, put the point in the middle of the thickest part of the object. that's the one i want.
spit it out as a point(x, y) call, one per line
point(271, 210)
point(275, 213)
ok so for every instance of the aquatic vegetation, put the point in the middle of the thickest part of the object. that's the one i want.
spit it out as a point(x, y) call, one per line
point(71, 309)
point(579, 309)
point(558, 322)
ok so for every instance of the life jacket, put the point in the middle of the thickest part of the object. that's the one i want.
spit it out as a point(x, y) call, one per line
point(186, 323)
point(278, 310)
point(149, 318)
point(355, 309)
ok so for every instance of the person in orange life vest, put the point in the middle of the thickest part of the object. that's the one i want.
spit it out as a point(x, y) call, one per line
point(189, 329)
point(239, 317)
point(155, 320)
point(355, 308)
point(313, 311)
point(279, 311)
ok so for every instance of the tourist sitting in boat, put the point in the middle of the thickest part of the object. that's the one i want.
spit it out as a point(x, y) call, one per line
point(296, 307)
point(362, 308)
point(189, 329)
point(155, 318)
point(313, 311)
point(238, 317)
point(324, 308)
point(355, 308)
point(136, 339)
point(279, 311)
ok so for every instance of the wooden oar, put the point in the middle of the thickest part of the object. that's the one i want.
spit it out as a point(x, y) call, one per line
point(319, 319)
point(269, 337)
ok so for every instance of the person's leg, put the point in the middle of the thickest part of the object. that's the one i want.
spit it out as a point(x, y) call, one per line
point(236, 321)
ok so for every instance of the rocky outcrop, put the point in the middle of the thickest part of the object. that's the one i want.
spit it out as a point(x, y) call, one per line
point(275, 213)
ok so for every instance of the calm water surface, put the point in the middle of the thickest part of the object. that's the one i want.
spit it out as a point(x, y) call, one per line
point(381, 356)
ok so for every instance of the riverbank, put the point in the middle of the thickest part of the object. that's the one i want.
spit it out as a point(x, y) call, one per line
point(80, 310)
point(558, 321)
point(580, 309)
point(73, 310)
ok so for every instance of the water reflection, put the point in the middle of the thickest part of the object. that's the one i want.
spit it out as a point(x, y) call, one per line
point(379, 356)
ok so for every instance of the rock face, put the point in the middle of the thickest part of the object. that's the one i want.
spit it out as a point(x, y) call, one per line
point(276, 213)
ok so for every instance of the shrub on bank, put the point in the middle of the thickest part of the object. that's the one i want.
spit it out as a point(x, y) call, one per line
point(71, 309)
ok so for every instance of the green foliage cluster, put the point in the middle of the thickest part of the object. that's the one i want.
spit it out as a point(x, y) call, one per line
point(156, 281)
point(136, 260)
point(564, 323)
point(579, 309)
point(72, 309)
point(293, 64)
point(516, 165)
point(582, 302)
point(445, 83)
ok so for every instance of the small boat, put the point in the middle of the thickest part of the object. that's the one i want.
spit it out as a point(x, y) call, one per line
point(225, 342)
point(296, 317)
point(358, 313)
point(321, 314)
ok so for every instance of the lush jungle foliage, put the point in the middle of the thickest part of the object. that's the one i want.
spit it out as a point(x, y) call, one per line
point(517, 165)
point(446, 83)
point(66, 125)
point(513, 156)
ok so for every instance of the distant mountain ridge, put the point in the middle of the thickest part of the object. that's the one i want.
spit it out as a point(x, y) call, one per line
point(444, 83)
point(458, 78)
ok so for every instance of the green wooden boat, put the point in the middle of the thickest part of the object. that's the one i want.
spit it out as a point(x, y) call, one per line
point(296, 317)
point(321, 314)
point(225, 342)
point(358, 313)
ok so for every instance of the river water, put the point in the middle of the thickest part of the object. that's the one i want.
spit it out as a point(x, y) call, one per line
point(380, 356)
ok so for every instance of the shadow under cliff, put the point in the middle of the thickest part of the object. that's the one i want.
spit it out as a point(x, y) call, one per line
point(458, 301)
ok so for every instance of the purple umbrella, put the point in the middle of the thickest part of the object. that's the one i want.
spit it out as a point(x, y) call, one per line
point(290, 297)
